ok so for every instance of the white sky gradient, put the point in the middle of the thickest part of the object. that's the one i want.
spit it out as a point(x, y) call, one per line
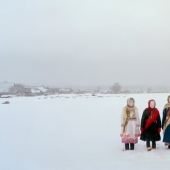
point(85, 42)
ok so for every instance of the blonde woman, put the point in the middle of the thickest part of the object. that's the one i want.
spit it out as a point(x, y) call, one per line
point(130, 123)
point(166, 123)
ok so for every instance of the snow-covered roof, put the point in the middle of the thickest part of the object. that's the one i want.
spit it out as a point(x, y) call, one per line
point(104, 91)
point(4, 96)
point(42, 89)
point(35, 91)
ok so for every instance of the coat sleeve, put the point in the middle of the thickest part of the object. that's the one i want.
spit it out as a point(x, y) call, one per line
point(137, 118)
point(142, 125)
point(122, 118)
point(159, 121)
point(122, 121)
point(163, 118)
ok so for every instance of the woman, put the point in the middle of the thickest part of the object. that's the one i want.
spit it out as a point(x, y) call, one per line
point(130, 124)
point(150, 125)
point(166, 123)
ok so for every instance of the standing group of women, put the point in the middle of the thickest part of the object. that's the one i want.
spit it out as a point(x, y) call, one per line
point(150, 125)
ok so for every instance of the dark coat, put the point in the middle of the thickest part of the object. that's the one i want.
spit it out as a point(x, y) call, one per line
point(151, 133)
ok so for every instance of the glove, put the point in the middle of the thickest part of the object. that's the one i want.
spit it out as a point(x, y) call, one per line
point(121, 135)
point(137, 135)
point(141, 129)
point(159, 130)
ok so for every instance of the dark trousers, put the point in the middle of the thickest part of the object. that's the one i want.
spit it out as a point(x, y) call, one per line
point(153, 144)
point(132, 146)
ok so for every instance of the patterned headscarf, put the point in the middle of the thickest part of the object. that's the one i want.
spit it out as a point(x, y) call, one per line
point(128, 102)
point(168, 104)
point(129, 108)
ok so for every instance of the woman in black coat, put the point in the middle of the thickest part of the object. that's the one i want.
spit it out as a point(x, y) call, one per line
point(151, 125)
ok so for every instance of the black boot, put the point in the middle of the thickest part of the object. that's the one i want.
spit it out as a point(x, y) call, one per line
point(153, 145)
point(168, 146)
point(126, 146)
point(132, 146)
point(148, 145)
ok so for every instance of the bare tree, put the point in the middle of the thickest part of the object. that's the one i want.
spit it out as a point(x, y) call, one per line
point(116, 88)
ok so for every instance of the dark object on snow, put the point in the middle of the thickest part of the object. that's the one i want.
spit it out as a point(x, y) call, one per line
point(7, 102)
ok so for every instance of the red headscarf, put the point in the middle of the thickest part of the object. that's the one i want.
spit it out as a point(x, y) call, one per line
point(149, 107)
point(153, 116)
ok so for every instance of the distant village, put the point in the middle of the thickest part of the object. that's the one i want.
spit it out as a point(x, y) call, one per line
point(23, 90)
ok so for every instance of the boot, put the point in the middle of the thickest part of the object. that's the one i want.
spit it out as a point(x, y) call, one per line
point(149, 149)
point(153, 145)
point(168, 146)
point(148, 145)
point(126, 146)
point(132, 146)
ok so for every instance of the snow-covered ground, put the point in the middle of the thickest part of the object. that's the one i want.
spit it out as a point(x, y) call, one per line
point(73, 132)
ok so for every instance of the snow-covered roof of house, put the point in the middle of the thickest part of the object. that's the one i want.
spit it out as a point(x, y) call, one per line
point(42, 89)
point(5, 96)
point(35, 91)
point(104, 91)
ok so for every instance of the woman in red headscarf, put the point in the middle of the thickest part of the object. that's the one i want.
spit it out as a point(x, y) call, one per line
point(151, 125)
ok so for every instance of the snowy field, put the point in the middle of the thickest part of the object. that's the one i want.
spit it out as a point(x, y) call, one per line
point(73, 132)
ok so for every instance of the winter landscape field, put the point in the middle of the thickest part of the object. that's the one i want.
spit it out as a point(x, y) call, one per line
point(73, 132)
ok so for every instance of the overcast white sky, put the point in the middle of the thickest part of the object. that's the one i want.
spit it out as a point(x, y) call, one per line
point(85, 42)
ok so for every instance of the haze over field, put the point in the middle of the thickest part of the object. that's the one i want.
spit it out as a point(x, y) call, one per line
point(85, 43)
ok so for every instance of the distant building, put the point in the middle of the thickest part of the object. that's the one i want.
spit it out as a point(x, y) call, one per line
point(65, 90)
point(105, 91)
point(27, 90)
point(90, 91)
point(80, 91)
point(42, 89)
point(53, 90)
point(35, 91)
point(18, 88)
